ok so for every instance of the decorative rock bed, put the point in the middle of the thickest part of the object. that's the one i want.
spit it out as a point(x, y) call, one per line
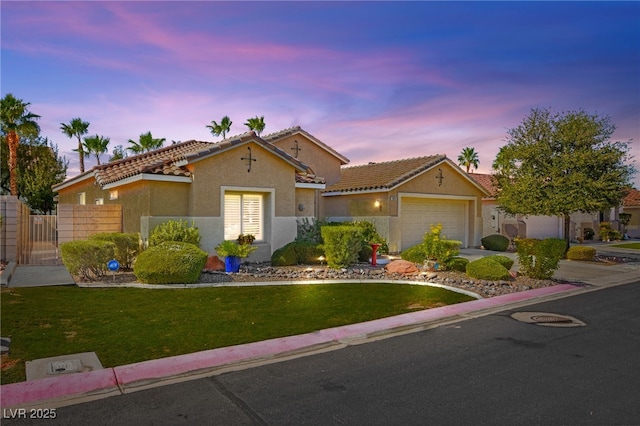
point(364, 271)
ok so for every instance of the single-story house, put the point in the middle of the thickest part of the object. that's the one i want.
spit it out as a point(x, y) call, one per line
point(536, 226)
point(403, 198)
point(266, 185)
point(241, 185)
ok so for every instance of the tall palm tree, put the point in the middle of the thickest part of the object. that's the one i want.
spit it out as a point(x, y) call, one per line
point(145, 143)
point(77, 128)
point(256, 124)
point(16, 120)
point(95, 145)
point(222, 128)
point(468, 157)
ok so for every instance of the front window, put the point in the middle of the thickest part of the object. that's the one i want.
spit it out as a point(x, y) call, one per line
point(243, 214)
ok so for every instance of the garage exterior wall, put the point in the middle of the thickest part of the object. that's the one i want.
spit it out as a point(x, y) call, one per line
point(455, 187)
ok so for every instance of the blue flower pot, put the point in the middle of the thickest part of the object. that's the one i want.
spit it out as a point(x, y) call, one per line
point(232, 264)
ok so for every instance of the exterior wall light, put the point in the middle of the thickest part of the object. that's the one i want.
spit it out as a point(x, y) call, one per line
point(378, 205)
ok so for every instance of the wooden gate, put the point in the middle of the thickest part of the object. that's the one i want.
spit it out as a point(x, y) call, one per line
point(40, 247)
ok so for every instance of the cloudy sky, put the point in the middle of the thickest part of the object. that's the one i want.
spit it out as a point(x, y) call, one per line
point(375, 80)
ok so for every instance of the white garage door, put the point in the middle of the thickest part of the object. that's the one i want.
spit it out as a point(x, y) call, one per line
point(418, 214)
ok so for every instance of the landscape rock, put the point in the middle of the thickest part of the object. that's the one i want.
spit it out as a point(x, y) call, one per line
point(401, 267)
point(214, 264)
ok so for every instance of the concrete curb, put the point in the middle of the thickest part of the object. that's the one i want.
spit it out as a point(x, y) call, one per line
point(81, 387)
point(7, 274)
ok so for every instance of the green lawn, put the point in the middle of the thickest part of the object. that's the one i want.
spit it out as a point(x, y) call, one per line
point(126, 325)
point(635, 246)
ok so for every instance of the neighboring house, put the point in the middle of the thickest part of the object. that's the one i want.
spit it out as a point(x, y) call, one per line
point(631, 204)
point(404, 198)
point(535, 226)
point(243, 184)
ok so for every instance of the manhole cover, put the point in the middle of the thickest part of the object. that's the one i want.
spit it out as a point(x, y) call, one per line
point(547, 319)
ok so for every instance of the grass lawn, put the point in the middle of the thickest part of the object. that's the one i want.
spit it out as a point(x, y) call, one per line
point(628, 246)
point(126, 325)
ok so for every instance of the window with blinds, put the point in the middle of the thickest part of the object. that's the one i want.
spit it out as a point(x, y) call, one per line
point(243, 215)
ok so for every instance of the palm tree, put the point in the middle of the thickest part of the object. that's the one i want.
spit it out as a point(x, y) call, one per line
point(95, 145)
point(77, 128)
point(145, 143)
point(256, 124)
point(468, 157)
point(222, 128)
point(16, 120)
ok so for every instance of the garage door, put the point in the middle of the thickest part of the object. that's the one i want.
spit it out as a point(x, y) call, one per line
point(418, 214)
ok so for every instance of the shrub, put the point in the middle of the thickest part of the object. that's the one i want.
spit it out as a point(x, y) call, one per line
point(581, 253)
point(229, 248)
point(341, 245)
point(437, 247)
point(415, 254)
point(503, 260)
point(495, 242)
point(457, 264)
point(486, 268)
point(309, 230)
point(297, 253)
point(170, 263)
point(588, 233)
point(127, 246)
point(173, 230)
point(87, 258)
point(538, 259)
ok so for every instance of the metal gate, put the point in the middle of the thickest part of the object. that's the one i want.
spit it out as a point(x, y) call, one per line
point(40, 247)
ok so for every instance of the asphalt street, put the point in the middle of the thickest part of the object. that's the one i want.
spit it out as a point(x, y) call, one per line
point(491, 370)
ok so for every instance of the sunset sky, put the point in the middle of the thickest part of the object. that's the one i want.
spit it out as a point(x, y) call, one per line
point(377, 81)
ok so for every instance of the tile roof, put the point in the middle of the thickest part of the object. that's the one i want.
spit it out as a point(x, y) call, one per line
point(161, 161)
point(273, 137)
point(485, 181)
point(172, 160)
point(309, 178)
point(632, 199)
point(383, 175)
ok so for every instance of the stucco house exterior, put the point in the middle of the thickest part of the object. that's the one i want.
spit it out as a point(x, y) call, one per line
point(243, 184)
point(265, 185)
point(631, 205)
point(536, 226)
point(403, 198)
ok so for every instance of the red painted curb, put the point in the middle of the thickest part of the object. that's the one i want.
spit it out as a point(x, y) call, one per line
point(75, 384)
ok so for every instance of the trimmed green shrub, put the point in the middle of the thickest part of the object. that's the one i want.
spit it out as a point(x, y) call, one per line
point(435, 247)
point(170, 262)
point(297, 253)
point(173, 230)
point(457, 264)
point(127, 246)
point(87, 258)
point(438, 247)
point(486, 268)
point(342, 244)
point(415, 254)
point(503, 260)
point(495, 242)
point(581, 253)
point(538, 259)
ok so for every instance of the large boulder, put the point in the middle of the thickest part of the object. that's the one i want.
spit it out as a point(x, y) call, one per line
point(214, 264)
point(401, 267)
